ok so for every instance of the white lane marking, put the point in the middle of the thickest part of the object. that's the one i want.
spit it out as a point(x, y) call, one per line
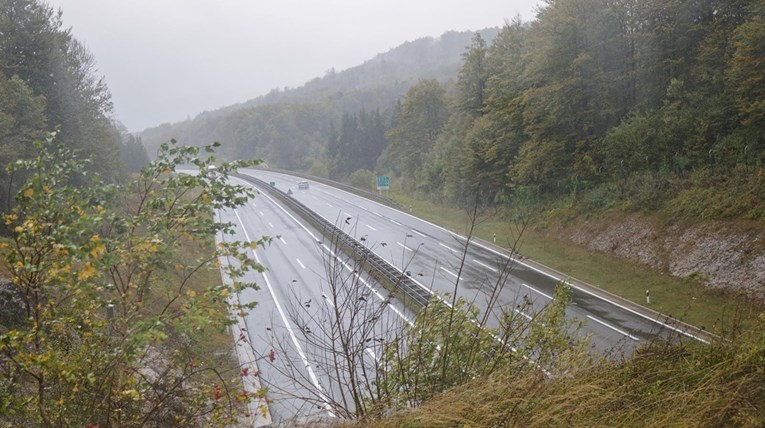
point(300, 263)
point(520, 312)
point(404, 246)
point(604, 324)
point(283, 241)
point(372, 228)
point(423, 235)
point(371, 353)
point(324, 296)
point(347, 267)
point(394, 222)
point(328, 204)
point(253, 205)
point(377, 214)
point(347, 214)
point(449, 272)
point(270, 225)
point(261, 213)
point(287, 324)
point(448, 247)
point(534, 289)
point(485, 265)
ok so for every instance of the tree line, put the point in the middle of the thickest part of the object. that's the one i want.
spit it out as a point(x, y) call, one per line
point(592, 93)
point(49, 81)
point(595, 101)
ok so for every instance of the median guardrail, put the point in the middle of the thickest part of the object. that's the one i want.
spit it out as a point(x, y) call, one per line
point(413, 295)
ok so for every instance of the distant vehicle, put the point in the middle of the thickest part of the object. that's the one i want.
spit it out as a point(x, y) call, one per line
point(303, 185)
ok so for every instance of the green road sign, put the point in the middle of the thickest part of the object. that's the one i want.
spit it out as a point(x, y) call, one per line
point(383, 182)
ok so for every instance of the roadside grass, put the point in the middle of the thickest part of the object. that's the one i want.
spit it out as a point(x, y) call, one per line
point(683, 299)
point(661, 385)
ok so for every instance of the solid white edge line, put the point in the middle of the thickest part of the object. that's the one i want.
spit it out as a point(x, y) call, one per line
point(372, 354)
point(604, 324)
point(520, 312)
point(424, 236)
point(311, 374)
point(447, 247)
point(245, 354)
point(448, 271)
point(485, 265)
point(534, 289)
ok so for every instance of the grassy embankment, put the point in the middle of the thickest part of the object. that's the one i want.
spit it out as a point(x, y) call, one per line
point(722, 384)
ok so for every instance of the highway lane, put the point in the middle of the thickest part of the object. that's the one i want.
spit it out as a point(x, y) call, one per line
point(431, 255)
point(296, 305)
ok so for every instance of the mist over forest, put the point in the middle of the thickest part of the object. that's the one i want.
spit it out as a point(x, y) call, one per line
point(625, 138)
point(590, 95)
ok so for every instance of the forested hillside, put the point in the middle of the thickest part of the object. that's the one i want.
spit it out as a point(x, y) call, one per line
point(601, 102)
point(290, 128)
point(48, 81)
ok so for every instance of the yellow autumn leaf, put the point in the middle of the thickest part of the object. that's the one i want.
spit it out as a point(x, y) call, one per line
point(10, 218)
point(191, 293)
point(132, 393)
point(97, 250)
point(86, 272)
point(47, 190)
point(29, 192)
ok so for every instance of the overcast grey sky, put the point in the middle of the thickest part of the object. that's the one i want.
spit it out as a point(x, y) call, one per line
point(165, 60)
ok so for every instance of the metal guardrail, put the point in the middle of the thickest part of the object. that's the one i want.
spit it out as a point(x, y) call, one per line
point(397, 282)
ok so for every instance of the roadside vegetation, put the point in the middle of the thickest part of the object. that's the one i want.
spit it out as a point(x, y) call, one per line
point(114, 303)
point(115, 314)
point(662, 385)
